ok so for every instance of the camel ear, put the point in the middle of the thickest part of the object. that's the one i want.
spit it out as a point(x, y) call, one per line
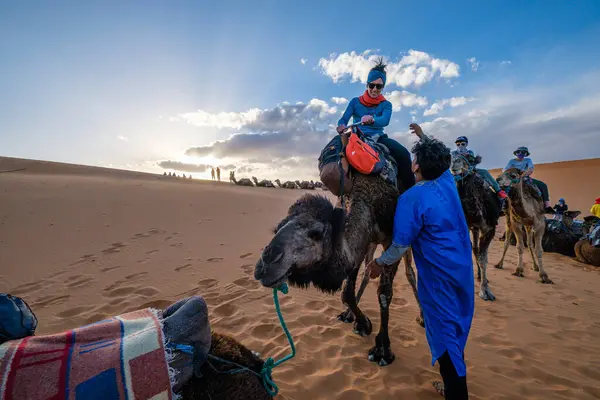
point(573, 214)
point(337, 223)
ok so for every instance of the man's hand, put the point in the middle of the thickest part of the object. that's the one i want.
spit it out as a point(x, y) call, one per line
point(340, 129)
point(367, 119)
point(374, 269)
point(416, 129)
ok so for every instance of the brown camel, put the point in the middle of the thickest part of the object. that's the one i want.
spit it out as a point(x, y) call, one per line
point(241, 182)
point(525, 209)
point(316, 243)
point(482, 211)
point(305, 185)
point(286, 184)
point(263, 183)
point(217, 383)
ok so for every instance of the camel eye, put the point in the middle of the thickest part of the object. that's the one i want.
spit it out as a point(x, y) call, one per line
point(315, 234)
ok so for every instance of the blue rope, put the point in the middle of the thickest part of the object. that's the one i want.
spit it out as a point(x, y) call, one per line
point(267, 370)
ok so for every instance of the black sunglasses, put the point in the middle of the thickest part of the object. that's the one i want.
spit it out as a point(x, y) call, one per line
point(375, 85)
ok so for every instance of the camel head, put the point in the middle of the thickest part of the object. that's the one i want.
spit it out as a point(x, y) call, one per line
point(461, 165)
point(304, 246)
point(510, 177)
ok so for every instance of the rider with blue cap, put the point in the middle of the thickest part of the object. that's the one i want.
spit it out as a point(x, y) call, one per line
point(375, 112)
point(561, 207)
point(462, 149)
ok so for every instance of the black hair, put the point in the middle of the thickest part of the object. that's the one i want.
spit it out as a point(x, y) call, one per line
point(433, 157)
point(380, 66)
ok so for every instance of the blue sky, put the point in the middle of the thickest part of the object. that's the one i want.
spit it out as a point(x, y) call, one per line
point(139, 84)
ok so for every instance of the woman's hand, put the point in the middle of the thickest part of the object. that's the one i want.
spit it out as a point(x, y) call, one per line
point(340, 129)
point(367, 119)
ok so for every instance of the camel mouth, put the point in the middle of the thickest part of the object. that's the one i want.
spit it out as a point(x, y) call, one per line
point(263, 275)
point(274, 282)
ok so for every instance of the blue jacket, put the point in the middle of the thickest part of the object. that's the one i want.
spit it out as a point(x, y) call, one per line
point(381, 113)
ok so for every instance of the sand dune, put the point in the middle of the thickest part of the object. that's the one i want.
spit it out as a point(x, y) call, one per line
point(80, 244)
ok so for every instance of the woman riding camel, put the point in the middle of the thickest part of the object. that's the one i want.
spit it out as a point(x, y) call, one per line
point(375, 112)
point(524, 163)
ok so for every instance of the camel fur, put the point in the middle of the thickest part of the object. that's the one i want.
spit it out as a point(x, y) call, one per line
point(482, 212)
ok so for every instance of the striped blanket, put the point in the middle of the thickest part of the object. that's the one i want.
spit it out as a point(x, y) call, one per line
point(119, 358)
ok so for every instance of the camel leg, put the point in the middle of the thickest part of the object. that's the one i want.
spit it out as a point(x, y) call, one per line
point(539, 231)
point(517, 230)
point(482, 261)
point(412, 279)
point(347, 316)
point(530, 245)
point(362, 324)
point(382, 352)
point(500, 264)
point(475, 246)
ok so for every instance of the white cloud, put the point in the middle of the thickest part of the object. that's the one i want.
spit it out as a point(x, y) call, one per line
point(403, 98)
point(439, 105)
point(123, 138)
point(339, 100)
point(220, 120)
point(506, 62)
point(414, 69)
point(303, 61)
point(474, 63)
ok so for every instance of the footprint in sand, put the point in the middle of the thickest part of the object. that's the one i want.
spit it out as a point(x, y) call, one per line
point(151, 252)
point(27, 288)
point(214, 259)
point(136, 275)
point(72, 312)
point(83, 259)
point(114, 248)
point(147, 292)
point(79, 281)
point(225, 310)
point(248, 269)
point(246, 283)
point(183, 267)
point(107, 269)
point(49, 301)
point(246, 255)
point(207, 283)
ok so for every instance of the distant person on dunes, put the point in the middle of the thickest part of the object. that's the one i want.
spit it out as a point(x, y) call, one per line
point(430, 219)
point(219, 174)
point(524, 163)
point(212, 173)
point(595, 210)
point(561, 207)
point(375, 112)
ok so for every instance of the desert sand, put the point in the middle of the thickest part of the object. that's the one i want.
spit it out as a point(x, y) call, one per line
point(83, 243)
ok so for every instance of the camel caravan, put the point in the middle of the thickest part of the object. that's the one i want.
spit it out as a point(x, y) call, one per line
point(306, 185)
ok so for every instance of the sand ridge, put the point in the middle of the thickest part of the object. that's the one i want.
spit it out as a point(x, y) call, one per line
point(80, 247)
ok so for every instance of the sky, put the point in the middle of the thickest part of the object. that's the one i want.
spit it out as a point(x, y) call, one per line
point(258, 86)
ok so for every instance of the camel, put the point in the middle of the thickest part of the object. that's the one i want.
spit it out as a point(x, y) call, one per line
point(263, 183)
point(241, 182)
point(305, 185)
point(482, 212)
point(319, 244)
point(286, 184)
point(525, 209)
point(217, 383)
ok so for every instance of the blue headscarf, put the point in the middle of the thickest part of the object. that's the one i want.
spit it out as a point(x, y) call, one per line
point(374, 75)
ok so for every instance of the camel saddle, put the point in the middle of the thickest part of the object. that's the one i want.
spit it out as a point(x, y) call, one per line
point(336, 173)
point(123, 357)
